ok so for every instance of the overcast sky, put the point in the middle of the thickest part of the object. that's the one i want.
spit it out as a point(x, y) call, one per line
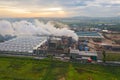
point(59, 8)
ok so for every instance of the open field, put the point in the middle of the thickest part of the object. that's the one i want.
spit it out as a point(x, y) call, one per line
point(15, 68)
point(114, 36)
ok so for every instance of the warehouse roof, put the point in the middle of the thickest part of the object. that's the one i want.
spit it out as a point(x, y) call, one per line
point(87, 34)
point(84, 53)
point(22, 44)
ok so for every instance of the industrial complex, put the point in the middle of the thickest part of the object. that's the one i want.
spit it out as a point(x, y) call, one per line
point(59, 47)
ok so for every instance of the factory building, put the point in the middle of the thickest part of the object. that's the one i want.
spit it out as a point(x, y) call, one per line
point(83, 55)
point(106, 46)
point(58, 46)
point(64, 48)
point(87, 35)
point(22, 45)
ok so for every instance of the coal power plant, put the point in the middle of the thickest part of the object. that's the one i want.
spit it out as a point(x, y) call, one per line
point(60, 47)
point(42, 40)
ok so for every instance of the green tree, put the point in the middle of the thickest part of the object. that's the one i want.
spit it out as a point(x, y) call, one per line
point(104, 56)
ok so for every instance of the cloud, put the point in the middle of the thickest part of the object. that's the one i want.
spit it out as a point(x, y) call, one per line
point(71, 7)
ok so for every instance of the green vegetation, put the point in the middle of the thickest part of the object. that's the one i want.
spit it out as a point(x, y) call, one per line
point(117, 41)
point(112, 56)
point(104, 56)
point(15, 68)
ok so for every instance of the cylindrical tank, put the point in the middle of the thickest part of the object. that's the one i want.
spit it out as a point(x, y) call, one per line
point(80, 47)
point(85, 43)
point(86, 48)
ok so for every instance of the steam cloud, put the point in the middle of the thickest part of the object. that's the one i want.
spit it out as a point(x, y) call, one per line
point(37, 28)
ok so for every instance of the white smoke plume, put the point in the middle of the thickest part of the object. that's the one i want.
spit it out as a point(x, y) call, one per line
point(37, 28)
point(6, 28)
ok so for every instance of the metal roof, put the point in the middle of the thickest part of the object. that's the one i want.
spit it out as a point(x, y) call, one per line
point(89, 34)
point(84, 53)
point(22, 44)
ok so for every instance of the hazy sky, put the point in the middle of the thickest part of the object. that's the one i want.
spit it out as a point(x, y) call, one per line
point(59, 8)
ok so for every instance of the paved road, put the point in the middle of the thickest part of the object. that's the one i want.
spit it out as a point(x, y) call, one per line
point(38, 57)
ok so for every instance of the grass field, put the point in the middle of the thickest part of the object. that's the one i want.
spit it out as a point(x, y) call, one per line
point(14, 68)
point(113, 56)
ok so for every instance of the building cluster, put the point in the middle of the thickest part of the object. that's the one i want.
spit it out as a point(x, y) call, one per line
point(66, 48)
point(86, 49)
point(63, 48)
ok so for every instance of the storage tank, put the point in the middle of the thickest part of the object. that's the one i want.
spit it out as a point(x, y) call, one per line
point(80, 47)
point(86, 48)
point(85, 43)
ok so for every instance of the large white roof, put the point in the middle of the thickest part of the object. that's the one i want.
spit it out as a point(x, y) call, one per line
point(22, 44)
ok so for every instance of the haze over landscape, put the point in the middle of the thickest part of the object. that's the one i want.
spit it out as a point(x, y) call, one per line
point(59, 39)
point(59, 8)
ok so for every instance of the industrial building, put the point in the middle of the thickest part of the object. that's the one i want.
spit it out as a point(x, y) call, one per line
point(106, 46)
point(22, 44)
point(58, 45)
point(83, 34)
point(63, 48)
point(83, 55)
